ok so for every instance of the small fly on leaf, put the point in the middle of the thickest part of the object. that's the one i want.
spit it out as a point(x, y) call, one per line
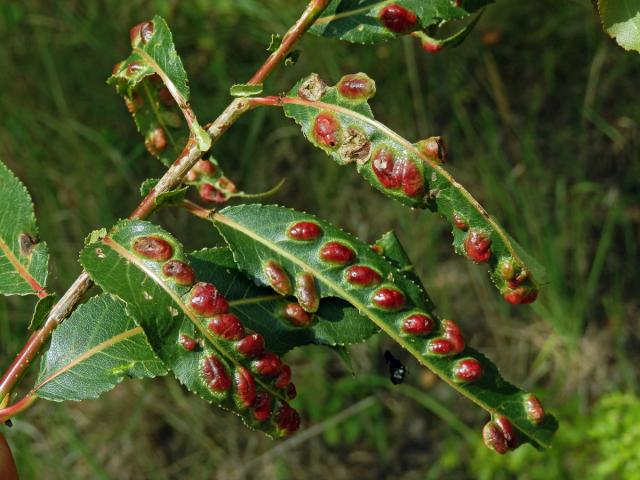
point(397, 370)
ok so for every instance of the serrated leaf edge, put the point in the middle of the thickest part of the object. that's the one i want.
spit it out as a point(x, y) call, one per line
point(497, 229)
point(129, 257)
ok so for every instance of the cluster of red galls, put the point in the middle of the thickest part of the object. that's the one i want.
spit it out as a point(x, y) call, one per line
point(205, 300)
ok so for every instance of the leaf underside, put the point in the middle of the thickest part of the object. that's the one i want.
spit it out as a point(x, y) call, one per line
point(93, 350)
point(258, 234)
point(621, 20)
point(335, 323)
point(43, 307)
point(23, 258)
point(345, 129)
point(155, 88)
point(359, 20)
point(159, 304)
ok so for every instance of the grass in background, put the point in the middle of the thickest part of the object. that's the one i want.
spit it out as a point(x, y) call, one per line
point(537, 109)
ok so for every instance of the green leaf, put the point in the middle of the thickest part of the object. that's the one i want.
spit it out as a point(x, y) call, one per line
point(621, 20)
point(155, 88)
point(335, 323)
point(172, 197)
point(370, 21)
point(390, 247)
point(23, 257)
point(246, 89)
point(339, 121)
point(213, 186)
point(95, 235)
point(43, 307)
point(147, 185)
point(274, 43)
point(94, 350)
point(145, 266)
point(262, 243)
point(431, 44)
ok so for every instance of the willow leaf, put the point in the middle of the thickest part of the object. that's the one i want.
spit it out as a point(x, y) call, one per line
point(335, 322)
point(339, 121)
point(188, 325)
point(621, 20)
point(246, 89)
point(390, 247)
point(153, 83)
point(43, 307)
point(370, 21)
point(94, 350)
point(214, 186)
point(23, 258)
point(266, 244)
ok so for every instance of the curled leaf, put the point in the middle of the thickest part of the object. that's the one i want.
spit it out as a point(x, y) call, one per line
point(214, 187)
point(433, 45)
point(339, 121)
point(155, 87)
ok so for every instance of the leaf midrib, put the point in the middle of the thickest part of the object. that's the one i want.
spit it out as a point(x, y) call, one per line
point(133, 260)
point(356, 303)
point(350, 13)
point(21, 269)
point(409, 146)
point(177, 95)
point(156, 112)
point(88, 354)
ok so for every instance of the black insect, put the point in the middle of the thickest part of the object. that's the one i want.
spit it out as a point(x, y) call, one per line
point(397, 370)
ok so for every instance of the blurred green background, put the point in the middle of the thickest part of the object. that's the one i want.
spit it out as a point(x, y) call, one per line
point(539, 115)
